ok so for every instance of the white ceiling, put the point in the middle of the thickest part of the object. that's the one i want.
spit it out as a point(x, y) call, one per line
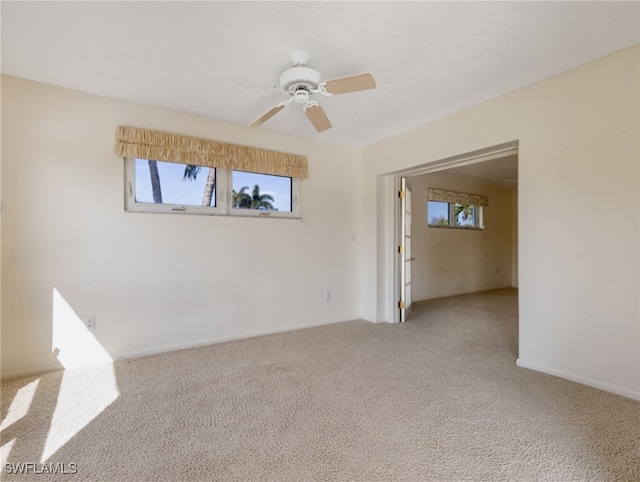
point(501, 172)
point(429, 59)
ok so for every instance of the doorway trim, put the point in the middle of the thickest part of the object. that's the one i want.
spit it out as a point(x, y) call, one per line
point(387, 252)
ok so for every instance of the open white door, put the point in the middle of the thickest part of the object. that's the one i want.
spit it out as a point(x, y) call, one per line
point(405, 250)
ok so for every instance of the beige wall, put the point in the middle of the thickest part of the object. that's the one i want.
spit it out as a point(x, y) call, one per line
point(159, 282)
point(578, 168)
point(154, 281)
point(456, 261)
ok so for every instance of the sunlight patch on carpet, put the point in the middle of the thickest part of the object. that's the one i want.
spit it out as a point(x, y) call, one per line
point(84, 395)
point(5, 450)
point(18, 409)
point(20, 404)
point(88, 384)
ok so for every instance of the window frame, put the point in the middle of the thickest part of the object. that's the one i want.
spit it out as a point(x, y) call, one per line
point(223, 198)
point(478, 217)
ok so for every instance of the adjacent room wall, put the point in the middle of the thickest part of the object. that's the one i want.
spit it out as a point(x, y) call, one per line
point(578, 168)
point(457, 261)
point(155, 281)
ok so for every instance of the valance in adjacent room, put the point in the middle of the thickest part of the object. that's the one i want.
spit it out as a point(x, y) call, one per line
point(161, 146)
point(456, 197)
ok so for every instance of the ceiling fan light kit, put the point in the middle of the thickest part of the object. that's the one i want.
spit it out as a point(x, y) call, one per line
point(300, 82)
point(301, 96)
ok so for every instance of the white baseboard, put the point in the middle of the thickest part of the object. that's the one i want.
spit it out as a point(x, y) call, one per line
point(39, 370)
point(223, 339)
point(578, 379)
point(28, 372)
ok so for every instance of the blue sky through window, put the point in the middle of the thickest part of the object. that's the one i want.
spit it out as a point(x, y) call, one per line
point(175, 190)
point(436, 211)
point(278, 187)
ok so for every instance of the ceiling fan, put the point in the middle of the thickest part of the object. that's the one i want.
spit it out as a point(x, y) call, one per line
point(300, 82)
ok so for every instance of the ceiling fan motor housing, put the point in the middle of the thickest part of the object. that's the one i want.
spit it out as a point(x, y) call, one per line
point(299, 78)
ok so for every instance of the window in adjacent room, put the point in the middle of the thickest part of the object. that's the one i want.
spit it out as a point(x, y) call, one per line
point(454, 210)
point(454, 215)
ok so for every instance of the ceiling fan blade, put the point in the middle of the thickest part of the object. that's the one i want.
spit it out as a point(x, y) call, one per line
point(265, 117)
point(353, 83)
point(317, 116)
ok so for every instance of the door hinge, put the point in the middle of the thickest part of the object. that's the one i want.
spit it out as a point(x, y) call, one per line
point(401, 194)
point(401, 305)
point(400, 249)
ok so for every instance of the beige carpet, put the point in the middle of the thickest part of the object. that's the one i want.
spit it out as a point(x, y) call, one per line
point(438, 398)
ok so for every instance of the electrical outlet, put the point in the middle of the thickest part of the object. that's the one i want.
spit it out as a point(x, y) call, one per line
point(90, 322)
point(327, 296)
point(497, 270)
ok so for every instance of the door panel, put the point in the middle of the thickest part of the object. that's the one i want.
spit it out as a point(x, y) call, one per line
point(405, 251)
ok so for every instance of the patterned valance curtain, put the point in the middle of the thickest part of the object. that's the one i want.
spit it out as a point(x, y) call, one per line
point(456, 197)
point(161, 146)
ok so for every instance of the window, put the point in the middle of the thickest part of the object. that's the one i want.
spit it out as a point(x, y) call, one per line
point(450, 209)
point(454, 215)
point(251, 191)
point(170, 187)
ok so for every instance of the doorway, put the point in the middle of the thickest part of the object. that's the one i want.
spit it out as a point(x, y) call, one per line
point(495, 167)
